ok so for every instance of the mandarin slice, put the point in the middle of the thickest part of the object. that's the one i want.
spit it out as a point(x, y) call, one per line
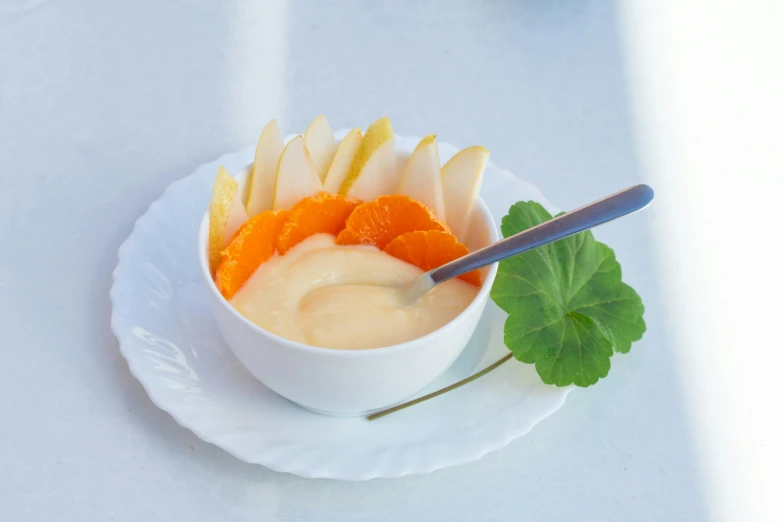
point(379, 221)
point(322, 213)
point(430, 249)
point(252, 244)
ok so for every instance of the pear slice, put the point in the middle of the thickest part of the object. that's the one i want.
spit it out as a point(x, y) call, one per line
point(319, 140)
point(373, 171)
point(226, 214)
point(237, 216)
point(402, 162)
point(261, 184)
point(342, 160)
point(296, 176)
point(421, 178)
point(461, 177)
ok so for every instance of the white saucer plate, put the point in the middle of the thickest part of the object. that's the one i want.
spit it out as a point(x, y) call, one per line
point(162, 318)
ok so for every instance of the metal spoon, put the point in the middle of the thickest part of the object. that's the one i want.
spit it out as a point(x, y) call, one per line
point(597, 213)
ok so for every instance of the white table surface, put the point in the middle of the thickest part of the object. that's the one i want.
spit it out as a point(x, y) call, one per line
point(102, 104)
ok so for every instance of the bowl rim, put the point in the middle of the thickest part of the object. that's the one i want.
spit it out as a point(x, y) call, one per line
point(203, 259)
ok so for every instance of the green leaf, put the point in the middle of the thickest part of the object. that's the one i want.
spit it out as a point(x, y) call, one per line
point(568, 307)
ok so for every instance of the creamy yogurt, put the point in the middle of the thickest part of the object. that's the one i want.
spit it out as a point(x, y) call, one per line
point(343, 297)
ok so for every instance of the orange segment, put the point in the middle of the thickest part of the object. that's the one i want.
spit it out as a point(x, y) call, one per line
point(379, 221)
point(430, 249)
point(315, 215)
point(253, 244)
point(348, 237)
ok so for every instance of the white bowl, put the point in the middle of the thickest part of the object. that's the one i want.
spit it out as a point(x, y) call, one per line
point(349, 382)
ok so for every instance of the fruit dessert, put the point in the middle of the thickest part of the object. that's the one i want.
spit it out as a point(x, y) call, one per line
point(312, 246)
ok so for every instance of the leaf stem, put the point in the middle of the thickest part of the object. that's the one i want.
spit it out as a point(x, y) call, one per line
point(442, 390)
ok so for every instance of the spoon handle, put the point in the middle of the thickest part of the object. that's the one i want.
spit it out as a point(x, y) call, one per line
point(597, 213)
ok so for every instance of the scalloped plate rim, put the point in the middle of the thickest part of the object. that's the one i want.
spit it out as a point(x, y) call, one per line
point(480, 450)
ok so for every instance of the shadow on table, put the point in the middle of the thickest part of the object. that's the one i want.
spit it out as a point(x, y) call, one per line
point(541, 85)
